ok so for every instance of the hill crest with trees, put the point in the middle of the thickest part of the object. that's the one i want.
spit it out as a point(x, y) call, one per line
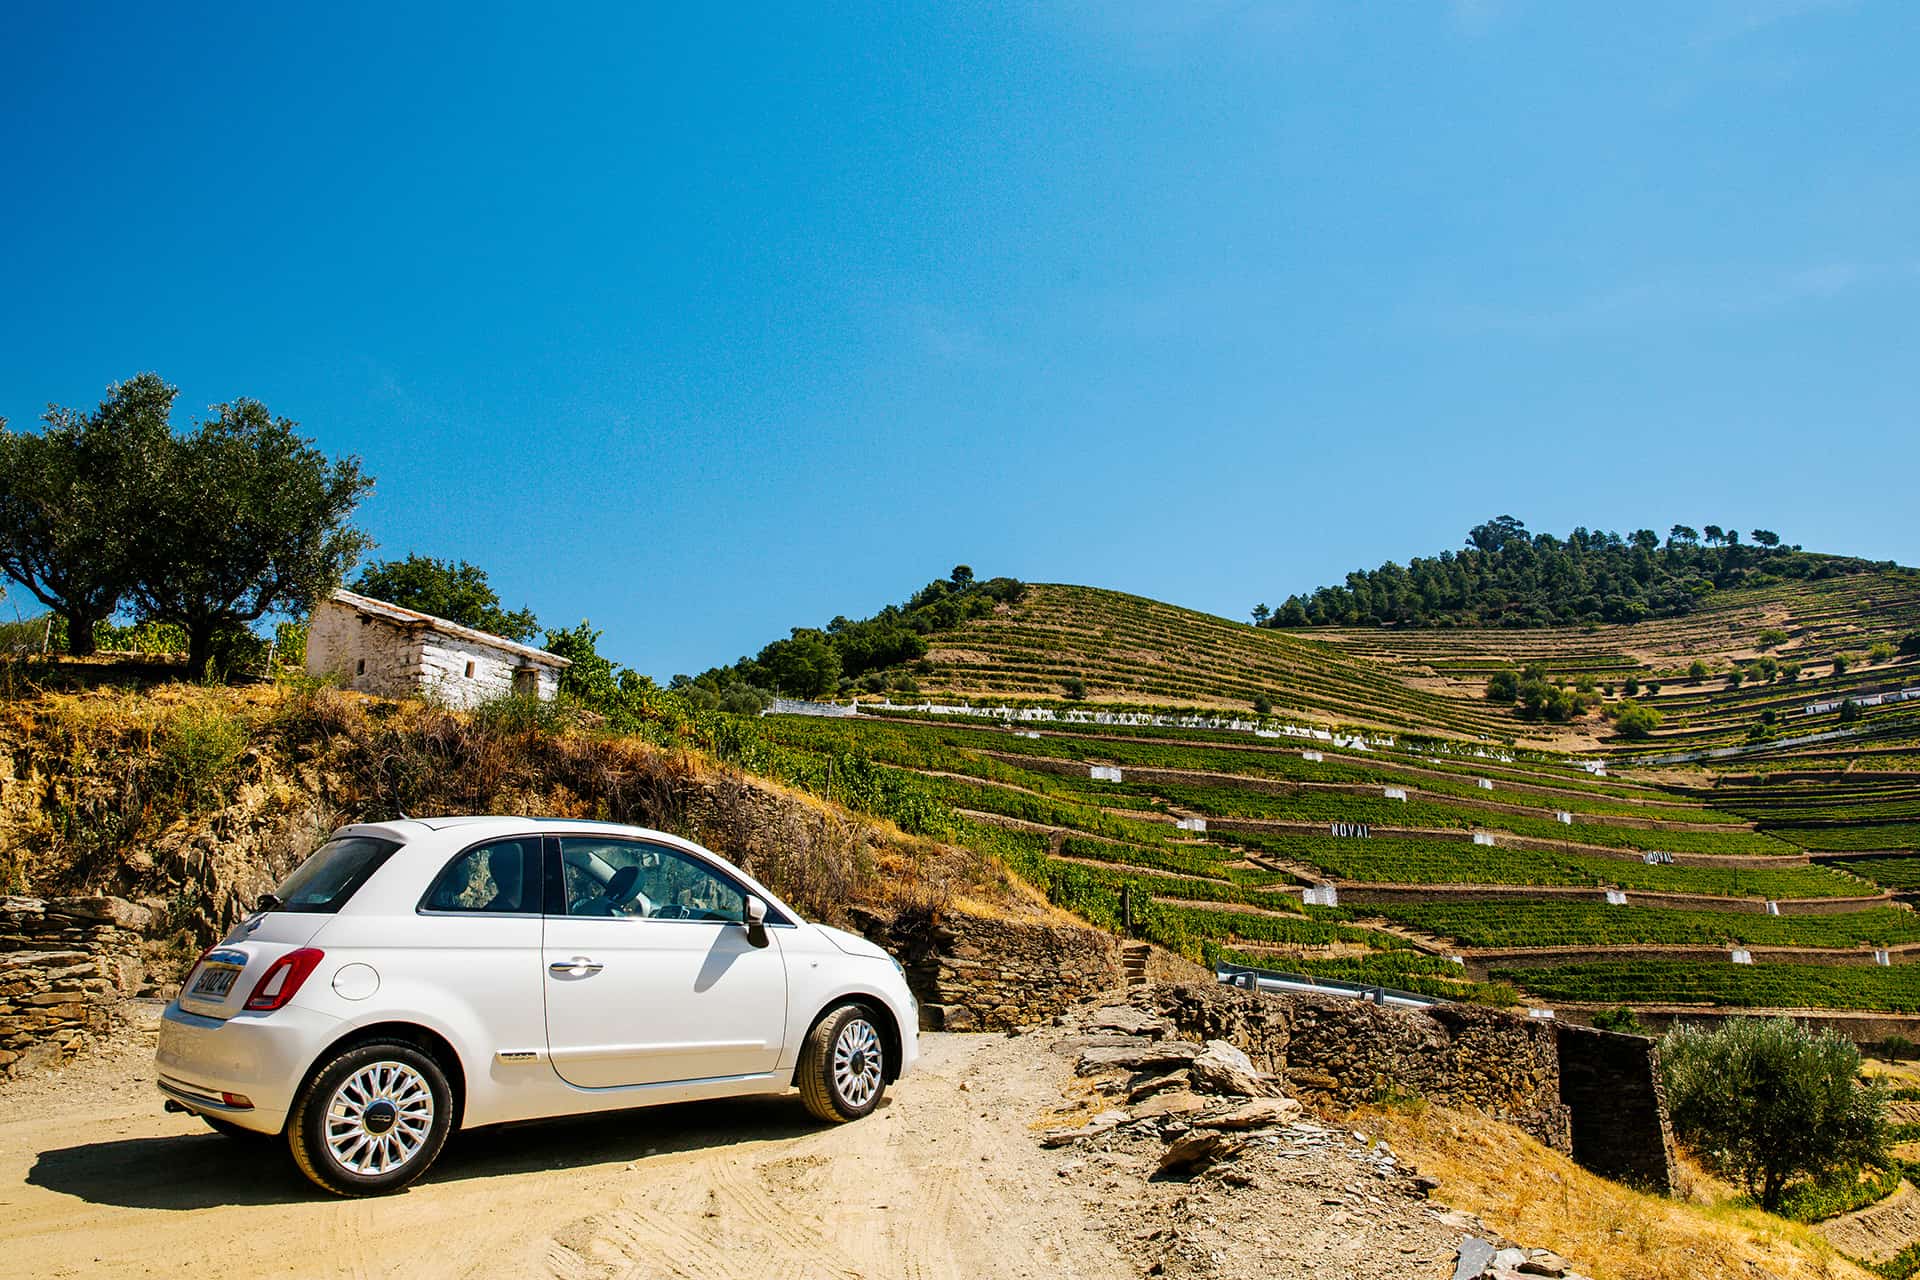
point(1505, 576)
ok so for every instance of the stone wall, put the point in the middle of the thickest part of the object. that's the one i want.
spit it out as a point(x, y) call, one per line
point(379, 656)
point(974, 973)
point(64, 962)
point(1611, 1085)
point(1349, 1052)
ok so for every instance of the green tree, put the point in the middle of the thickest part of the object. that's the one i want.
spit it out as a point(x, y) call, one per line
point(1503, 686)
point(1260, 615)
point(1840, 664)
point(450, 589)
point(1849, 711)
point(1770, 1101)
point(1635, 721)
point(805, 666)
point(1880, 651)
point(247, 518)
point(1771, 637)
point(1697, 671)
point(73, 502)
point(1765, 668)
point(1075, 689)
point(1789, 671)
point(1765, 537)
point(589, 677)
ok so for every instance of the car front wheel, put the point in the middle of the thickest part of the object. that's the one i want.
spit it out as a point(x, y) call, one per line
point(843, 1066)
point(372, 1119)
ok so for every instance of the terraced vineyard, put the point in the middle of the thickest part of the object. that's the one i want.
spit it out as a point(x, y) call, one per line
point(1127, 649)
point(1469, 855)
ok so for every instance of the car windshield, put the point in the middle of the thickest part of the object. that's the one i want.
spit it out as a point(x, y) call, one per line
point(333, 873)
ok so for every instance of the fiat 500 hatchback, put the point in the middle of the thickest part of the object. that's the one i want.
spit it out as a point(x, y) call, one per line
point(416, 976)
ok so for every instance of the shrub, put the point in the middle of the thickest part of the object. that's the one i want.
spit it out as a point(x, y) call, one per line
point(198, 749)
point(1503, 686)
point(1636, 722)
point(1620, 1018)
point(1076, 689)
point(1849, 711)
point(1697, 671)
point(1771, 637)
point(1262, 704)
point(1880, 652)
point(1769, 1101)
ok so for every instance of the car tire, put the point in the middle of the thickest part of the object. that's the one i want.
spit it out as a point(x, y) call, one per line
point(842, 1071)
point(372, 1119)
point(228, 1129)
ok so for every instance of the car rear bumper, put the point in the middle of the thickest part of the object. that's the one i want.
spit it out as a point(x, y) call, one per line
point(209, 1066)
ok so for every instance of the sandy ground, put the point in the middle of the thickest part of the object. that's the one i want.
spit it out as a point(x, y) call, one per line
point(945, 1180)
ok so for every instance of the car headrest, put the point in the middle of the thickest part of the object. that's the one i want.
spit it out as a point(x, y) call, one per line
point(620, 886)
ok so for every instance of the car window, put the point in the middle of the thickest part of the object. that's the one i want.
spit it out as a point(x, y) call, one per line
point(502, 875)
point(332, 874)
point(622, 878)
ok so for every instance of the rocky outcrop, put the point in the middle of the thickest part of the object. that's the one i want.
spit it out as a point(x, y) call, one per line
point(1231, 1174)
point(64, 962)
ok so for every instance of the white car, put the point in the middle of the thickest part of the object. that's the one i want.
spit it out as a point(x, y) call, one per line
point(415, 976)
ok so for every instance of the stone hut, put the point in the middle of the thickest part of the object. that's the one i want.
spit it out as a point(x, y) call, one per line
point(385, 649)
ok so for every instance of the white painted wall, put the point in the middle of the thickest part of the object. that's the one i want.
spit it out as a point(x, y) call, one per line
point(375, 656)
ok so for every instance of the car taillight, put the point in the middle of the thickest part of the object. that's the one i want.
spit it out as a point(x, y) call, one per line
point(279, 983)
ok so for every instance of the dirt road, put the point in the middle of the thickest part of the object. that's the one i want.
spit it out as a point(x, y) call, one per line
point(945, 1181)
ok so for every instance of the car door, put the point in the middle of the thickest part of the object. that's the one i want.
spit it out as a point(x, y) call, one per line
point(651, 975)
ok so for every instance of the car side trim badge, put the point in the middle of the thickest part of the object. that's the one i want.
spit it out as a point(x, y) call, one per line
point(518, 1055)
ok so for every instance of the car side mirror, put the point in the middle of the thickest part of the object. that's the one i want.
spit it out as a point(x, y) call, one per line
point(756, 921)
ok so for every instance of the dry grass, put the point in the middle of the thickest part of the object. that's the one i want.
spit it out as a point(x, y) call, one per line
point(1541, 1198)
point(103, 783)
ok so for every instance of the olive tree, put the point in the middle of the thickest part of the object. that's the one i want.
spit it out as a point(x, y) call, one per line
point(73, 502)
point(454, 590)
point(246, 518)
point(1769, 1101)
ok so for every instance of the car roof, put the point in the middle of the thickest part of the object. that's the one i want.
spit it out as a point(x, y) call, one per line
point(417, 833)
point(407, 829)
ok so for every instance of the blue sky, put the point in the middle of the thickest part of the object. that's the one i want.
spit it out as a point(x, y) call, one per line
point(703, 325)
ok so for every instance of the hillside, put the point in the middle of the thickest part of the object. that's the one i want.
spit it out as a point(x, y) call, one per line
point(1467, 853)
point(1125, 649)
point(1122, 650)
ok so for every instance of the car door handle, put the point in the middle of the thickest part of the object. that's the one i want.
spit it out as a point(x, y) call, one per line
point(579, 964)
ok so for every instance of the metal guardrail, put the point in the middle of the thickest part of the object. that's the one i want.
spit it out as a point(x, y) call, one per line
point(1249, 979)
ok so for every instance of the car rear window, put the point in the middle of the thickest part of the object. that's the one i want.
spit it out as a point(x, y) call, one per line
point(333, 873)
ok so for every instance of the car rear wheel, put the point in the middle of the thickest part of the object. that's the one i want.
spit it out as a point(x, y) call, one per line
point(372, 1119)
point(843, 1066)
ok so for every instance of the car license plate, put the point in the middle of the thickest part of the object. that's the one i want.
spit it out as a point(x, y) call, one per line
point(215, 981)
